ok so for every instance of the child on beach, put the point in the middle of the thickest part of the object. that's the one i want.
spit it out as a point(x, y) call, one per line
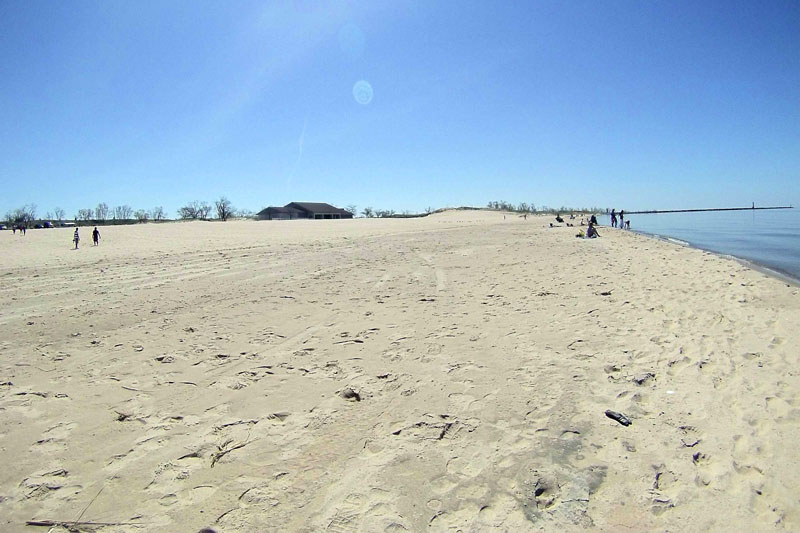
point(96, 236)
point(76, 238)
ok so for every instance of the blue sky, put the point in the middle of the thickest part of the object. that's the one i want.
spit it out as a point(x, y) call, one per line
point(621, 104)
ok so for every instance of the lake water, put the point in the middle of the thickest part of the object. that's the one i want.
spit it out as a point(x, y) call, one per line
point(769, 238)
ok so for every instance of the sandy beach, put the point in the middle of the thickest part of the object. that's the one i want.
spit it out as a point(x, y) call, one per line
point(447, 373)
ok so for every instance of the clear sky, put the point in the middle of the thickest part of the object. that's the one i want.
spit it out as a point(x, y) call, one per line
point(399, 105)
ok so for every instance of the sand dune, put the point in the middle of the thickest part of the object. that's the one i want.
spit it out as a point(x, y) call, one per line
point(449, 373)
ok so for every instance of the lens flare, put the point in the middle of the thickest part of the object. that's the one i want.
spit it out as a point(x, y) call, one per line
point(362, 92)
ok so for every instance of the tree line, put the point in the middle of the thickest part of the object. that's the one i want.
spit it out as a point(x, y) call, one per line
point(27, 214)
point(369, 212)
point(22, 215)
point(524, 207)
point(103, 213)
point(222, 207)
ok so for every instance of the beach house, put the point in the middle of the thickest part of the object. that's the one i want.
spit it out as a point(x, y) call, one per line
point(303, 210)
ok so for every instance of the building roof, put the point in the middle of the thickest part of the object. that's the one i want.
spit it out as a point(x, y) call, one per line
point(279, 210)
point(306, 209)
point(317, 207)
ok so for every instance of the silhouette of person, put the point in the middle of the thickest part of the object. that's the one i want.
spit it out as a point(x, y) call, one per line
point(76, 238)
point(96, 236)
point(613, 218)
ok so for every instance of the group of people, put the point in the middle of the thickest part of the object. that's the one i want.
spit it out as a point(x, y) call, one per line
point(623, 224)
point(591, 231)
point(76, 238)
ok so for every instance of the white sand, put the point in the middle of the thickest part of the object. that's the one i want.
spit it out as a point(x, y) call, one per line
point(191, 374)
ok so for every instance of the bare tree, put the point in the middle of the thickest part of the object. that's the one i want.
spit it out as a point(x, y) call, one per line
point(368, 212)
point(59, 213)
point(224, 208)
point(123, 212)
point(352, 208)
point(141, 215)
point(187, 212)
point(84, 214)
point(157, 213)
point(244, 213)
point(101, 211)
point(22, 215)
point(30, 212)
point(194, 210)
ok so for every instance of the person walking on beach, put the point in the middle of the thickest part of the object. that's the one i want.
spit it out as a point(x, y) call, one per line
point(621, 218)
point(613, 218)
point(76, 238)
point(96, 236)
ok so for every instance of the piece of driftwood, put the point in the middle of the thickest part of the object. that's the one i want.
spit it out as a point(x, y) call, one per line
point(70, 524)
point(619, 417)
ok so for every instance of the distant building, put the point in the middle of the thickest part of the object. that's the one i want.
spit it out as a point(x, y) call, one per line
point(281, 213)
point(303, 210)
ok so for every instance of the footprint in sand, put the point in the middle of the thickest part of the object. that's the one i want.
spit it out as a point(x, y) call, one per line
point(55, 438)
point(346, 517)
point(776, 341)
point(502, 511)
point(666, 487)
point(464, 402)
point(42, 484)
point(676, 366)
